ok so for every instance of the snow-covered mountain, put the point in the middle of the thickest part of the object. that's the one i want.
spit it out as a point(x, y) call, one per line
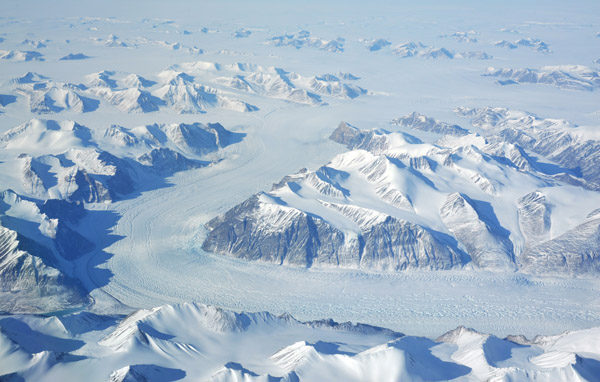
point(505, 44)
point(420, 122)
point(87, 175)
point(186, 97)
point(468, 36)
point(411, 49)
point(376, 44)
point(29, 77)
point(177, 90)
point(278, 83)
point(38, 44)
point(51, 97)
point(112, 41)
point(418, 49)
point(535, 44)
point(394, 202)
point(213, 344)
point(36, 243)
point(574, 77)
point(558, 140)
point(49, 135)
point(241, 33)
point(132, 100)
point(21, 55)
point(303, 38)
point(74, 56)
point(72, 162)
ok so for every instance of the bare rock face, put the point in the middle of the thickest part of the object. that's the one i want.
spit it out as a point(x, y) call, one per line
point(375, 141)
point(258, 230)
point(420, 122)
point(486, 242)
point(407, 245)
point(347, 135)
point(198, 138)
point(576, 252)
point(534, 216)
point(166, 161)
point(255, 230)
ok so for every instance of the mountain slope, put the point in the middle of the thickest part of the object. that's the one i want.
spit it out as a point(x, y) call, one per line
point(208, 343)
point(32, 278)
point(394, 202)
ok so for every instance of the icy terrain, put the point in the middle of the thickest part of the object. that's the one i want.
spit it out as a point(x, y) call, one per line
point(394, 202)
point(417, 168)
point(213, 344)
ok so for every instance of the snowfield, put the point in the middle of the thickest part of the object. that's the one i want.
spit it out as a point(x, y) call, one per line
point(423, 169)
